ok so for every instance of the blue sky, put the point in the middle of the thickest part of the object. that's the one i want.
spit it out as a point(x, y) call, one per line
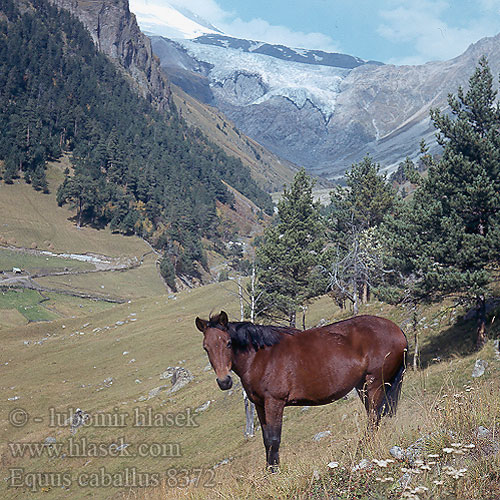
point(392, 31)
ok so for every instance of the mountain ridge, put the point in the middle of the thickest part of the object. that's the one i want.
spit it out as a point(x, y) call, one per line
point(114, 30)
point(321, 117)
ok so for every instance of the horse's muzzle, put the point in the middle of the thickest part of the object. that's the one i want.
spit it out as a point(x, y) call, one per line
point(225, 383)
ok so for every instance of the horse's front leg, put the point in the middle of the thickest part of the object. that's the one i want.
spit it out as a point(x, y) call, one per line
point(271, 417)
point(274, 418)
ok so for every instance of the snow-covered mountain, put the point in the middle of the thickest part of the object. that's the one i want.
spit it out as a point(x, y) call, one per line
point(299, 75)
point(161, 18)
point(321, 110)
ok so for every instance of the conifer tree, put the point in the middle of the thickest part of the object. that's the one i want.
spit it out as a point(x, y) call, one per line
point(449, 237)
point(355, 211)
point(290, 253)
point(368, 196)
point(81, 191)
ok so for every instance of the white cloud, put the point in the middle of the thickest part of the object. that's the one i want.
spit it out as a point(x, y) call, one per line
point(261, 30)
point(422, 25)
point(208, 9)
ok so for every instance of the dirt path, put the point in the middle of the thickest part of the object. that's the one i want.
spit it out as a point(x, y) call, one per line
point(102, 264)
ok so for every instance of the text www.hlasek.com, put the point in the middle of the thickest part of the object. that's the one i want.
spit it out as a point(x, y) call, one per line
point(78, 448)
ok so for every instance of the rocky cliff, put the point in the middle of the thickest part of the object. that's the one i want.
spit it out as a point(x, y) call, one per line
point(115, 32)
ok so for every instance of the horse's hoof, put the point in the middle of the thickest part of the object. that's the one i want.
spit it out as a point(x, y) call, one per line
point(273, 469)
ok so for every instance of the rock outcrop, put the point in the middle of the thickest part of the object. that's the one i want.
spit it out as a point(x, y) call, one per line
point(115, 32)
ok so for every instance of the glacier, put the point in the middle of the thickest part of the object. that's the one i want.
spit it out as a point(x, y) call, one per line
point(296, 81)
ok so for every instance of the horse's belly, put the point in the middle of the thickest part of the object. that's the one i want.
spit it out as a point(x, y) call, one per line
point(325, 387)
point(319, 397)
point(317, 401)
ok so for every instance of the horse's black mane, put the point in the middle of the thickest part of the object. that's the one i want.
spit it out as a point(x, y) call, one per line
point(245, 334)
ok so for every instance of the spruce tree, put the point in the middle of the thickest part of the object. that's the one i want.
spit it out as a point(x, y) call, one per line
point(291, 252)
point(355, 211)
point(449, 237)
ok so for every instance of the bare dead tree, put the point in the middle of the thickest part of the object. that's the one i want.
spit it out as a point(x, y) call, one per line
point(248, 297)
point(357, 267)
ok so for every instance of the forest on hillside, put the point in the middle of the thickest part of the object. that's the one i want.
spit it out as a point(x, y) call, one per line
point(135, 169)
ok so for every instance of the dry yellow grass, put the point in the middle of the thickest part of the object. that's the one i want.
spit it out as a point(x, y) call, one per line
point(11, 318)
point(68, 370)
point(455, 463)
point(32, 217)
point(66, 362)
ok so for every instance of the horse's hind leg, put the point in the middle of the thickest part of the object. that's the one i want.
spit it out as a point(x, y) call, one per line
point(370, 391)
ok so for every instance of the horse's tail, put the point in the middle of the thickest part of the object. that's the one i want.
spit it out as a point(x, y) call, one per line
point(393, 390)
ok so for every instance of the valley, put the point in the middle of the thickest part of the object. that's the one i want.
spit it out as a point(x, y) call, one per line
point(147, 182)
point(113, 362)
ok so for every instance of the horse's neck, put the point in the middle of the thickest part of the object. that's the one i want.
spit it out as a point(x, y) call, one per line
point(242, 362)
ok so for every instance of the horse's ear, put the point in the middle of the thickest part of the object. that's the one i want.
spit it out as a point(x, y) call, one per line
point(201, 324)
point(223, 319)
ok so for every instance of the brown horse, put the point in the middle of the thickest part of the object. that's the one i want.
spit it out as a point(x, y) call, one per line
point(281, 367)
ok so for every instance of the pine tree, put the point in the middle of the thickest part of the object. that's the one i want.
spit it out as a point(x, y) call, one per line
point(168, 272)
point(367, 198)
point(290, 253)
point(354, 212)
point(81, 191)
point(39, 179)
point(449, 237)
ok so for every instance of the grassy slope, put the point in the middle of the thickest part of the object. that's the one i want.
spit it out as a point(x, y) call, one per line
point(164, 335)
point(33, 220)
point(29, 217)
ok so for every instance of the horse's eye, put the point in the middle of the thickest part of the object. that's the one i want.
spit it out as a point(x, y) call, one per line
point(229, 343)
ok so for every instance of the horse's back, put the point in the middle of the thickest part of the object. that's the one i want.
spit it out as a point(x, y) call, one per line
point(364, 327)
point(361, 337)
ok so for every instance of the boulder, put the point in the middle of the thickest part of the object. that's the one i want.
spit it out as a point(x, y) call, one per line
point(320, 435)
point(479, 368)
point(179, 377)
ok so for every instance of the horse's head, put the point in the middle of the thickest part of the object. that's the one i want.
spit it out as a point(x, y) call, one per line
point(217, 344)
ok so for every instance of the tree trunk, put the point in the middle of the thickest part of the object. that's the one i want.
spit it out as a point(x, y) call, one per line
point(79, 223)
point(355, 305)
point(252, 298)
point(249, 406)
point(240, 295)
point(249, 413)
point(481, 322)
point(416, 354)
point(292, 318)
point(364, 297)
